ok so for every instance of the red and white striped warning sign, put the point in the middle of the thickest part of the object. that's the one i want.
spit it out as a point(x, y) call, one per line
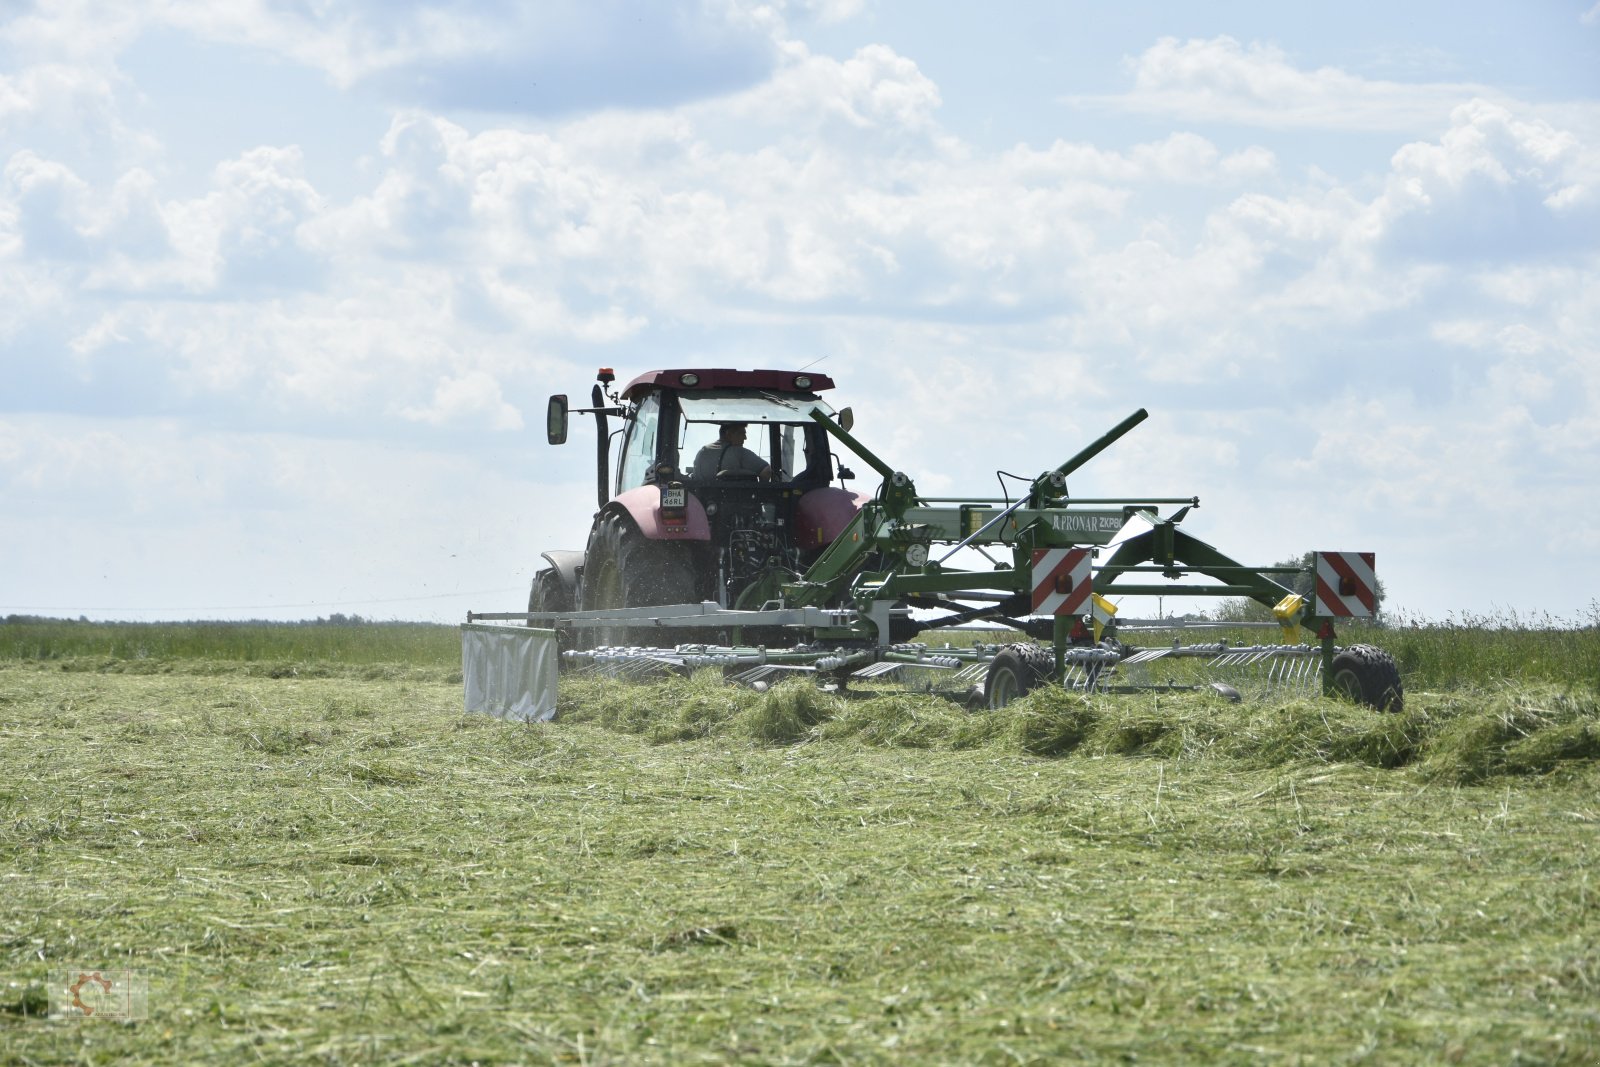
point(1061, 584)
point(1346, 584)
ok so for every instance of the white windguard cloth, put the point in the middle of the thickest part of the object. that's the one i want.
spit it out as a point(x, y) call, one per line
point(761, 407)
point(509, 671)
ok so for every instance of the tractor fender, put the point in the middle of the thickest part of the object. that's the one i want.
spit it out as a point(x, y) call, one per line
point(566, 563)
point(643, 505)
point(821, 515)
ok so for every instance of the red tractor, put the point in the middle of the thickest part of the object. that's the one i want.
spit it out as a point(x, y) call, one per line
point(680, 523)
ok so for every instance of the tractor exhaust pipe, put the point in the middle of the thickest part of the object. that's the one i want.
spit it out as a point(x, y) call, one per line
point(602, 446)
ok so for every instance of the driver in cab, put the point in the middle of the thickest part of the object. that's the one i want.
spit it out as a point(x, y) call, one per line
point(727, 457)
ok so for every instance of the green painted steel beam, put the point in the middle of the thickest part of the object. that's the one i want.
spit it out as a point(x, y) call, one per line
point(1192, 555)
point(825, 579)
point(912, 582)
point(1093, 449)
point(1158, 569)
point(853, 445)
point(1175, 590)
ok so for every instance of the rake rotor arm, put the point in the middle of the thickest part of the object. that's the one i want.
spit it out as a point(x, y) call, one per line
point(1169, 547)
point(853, 445)
point(839, 562)
point(1093, 449)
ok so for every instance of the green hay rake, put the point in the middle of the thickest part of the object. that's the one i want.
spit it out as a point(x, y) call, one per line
point(891, 574)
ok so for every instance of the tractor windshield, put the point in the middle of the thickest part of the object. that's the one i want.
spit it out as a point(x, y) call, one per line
point(751, 407)
point(780, 429)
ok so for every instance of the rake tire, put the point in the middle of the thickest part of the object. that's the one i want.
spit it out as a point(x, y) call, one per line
point(1014, 671)
point(624, 569)
point(1368, 675)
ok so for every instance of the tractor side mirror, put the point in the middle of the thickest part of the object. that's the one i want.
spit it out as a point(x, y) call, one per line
point(847, 419)
point(555, 420)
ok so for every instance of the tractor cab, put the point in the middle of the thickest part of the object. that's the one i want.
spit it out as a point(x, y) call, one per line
point(679, 521)
point(676, 436)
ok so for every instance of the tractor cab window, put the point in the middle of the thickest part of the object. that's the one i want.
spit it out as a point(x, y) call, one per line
point(695, 436)
point(778, 426)
point(639, 447)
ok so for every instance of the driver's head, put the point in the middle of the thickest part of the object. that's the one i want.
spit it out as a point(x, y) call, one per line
point(733, 432)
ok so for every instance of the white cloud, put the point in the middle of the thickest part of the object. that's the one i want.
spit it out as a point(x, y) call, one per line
point(831, 11)
point(470, 235)
point(50, 205)
point(554, 57)
point(57, 93)
point(1494, 185)
point(243, 234)
point(474, 399)
point(1180, 158)
point(80, 32)
point(1220, 80)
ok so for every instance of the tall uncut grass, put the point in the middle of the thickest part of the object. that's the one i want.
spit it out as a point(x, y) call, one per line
point(1506, 646)
point(1461, 650)
point(326, 643)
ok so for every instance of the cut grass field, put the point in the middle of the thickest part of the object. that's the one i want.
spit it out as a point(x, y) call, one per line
point(324, 860)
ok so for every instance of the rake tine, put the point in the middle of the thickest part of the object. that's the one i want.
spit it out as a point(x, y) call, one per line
point(972, 672)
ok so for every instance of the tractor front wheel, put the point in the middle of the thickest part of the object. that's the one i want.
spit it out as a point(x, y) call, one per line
point(1014, 671)
point(624, 569)
point(1369, 675)
point(547, 594)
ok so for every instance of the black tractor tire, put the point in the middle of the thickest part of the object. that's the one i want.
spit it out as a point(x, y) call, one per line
point(548, 594)
point(1014, 671)
point(1369, 675)
point(624, 569)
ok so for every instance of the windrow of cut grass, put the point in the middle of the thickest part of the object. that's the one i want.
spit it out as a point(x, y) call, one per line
point(1461, 737)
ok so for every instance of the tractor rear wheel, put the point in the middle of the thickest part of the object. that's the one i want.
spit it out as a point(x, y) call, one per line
point(1369, 675)
point(1014, 671)
point(624, 569)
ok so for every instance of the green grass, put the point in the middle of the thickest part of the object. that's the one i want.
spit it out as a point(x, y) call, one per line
point(152, 646)
point(333, 864)
point(1506, 647)
point(1467, 651)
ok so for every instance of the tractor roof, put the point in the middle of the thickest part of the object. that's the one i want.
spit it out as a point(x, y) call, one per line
point(769, 381)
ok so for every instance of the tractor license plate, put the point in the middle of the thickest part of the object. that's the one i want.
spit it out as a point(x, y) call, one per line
point(675, 497)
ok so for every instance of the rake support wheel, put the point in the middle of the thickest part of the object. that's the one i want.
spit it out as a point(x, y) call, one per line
point(1369, 675)
point(1015, 670)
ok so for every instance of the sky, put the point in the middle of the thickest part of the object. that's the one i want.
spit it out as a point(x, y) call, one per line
point(285, 284)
